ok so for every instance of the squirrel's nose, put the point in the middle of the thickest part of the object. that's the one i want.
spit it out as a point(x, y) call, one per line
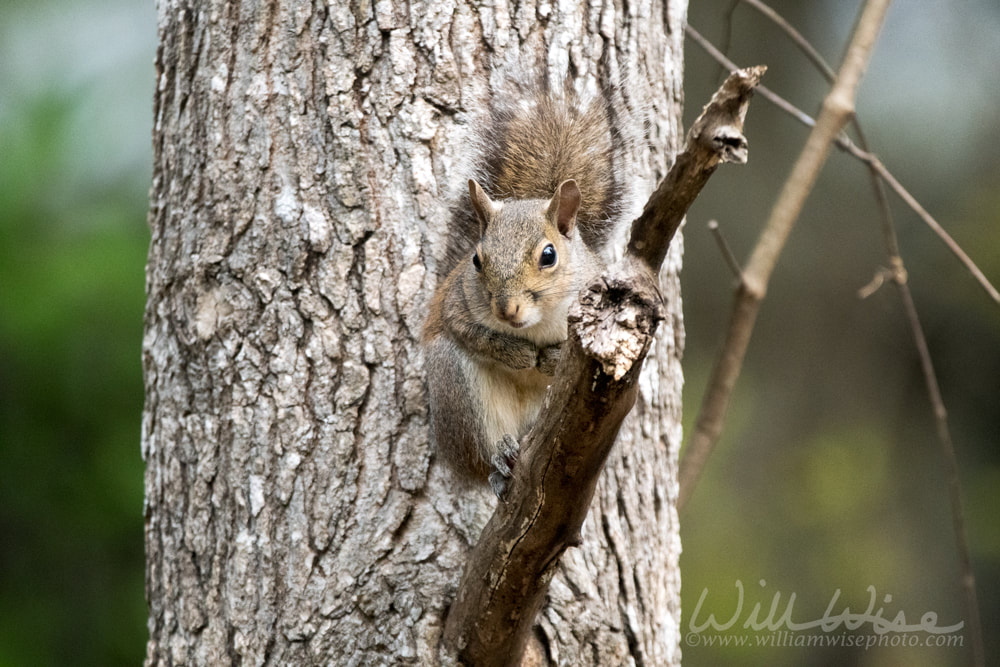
point(507, 309)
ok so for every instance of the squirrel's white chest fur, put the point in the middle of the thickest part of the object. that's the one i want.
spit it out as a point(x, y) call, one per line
point(511, 400)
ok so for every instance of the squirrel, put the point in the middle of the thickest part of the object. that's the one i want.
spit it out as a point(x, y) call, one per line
point(545, 192)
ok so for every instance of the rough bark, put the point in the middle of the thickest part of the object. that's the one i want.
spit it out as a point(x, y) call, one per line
point(294, 512)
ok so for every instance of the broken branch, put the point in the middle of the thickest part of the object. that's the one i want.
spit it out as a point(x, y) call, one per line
point(611, 330)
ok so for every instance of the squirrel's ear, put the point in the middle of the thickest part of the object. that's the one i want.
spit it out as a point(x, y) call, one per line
point(482, 204)
point(564, 205)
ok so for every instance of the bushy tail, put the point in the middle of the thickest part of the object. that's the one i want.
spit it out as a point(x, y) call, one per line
point(530, 137)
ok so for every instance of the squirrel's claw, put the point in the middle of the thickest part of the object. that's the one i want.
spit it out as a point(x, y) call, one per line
point(498, 483)
point(503, 464)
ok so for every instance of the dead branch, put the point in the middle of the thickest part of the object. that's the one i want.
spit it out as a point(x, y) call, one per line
point(795, 36)
point(727, 252)
point(898, 274)
point(914, 205)
point(880, 174)
point(845, 144)
point(838, 107)
point(611, 330)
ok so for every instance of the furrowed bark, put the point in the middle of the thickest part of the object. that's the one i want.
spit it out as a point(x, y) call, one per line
point(295, 510)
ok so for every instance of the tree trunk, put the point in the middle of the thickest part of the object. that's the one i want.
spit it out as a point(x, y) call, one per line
point(303, 158)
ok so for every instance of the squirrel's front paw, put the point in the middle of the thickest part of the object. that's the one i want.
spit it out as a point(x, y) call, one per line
point(520, 357)
point(548, 357)
point(503, 464)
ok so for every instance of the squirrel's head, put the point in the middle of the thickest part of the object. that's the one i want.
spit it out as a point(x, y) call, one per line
point(523, 260)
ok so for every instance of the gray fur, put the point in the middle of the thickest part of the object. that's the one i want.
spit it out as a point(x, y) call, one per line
point(544, 191)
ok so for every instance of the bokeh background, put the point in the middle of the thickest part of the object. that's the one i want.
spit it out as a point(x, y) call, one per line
point(829, 475)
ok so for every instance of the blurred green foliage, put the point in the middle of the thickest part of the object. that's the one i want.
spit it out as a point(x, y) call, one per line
point(828, 475)
point(71, 298)
point(73, 242)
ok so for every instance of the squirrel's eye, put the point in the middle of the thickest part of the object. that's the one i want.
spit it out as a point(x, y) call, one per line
point(476, 263)
point(548, 258)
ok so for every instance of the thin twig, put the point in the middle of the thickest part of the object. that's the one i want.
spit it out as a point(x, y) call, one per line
point(875, 284)
point(898, 274)
point(763, 91)
point(845, 144)
point(837, 108)
point(864, 154)
point(727, 253)
point(909, 200)
point(727, 36)
point(804, 45)
point(968, 580)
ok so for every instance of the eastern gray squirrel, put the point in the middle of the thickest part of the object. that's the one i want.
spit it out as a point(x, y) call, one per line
point(546, 190)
